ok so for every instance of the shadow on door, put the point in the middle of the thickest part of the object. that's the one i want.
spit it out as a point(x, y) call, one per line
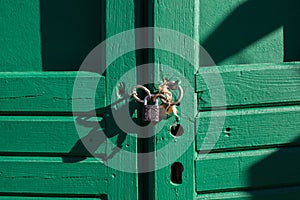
point(70, 29)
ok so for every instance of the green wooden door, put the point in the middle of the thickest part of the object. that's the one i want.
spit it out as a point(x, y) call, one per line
point(239, 119)
point(247, 144)
point(48, 147)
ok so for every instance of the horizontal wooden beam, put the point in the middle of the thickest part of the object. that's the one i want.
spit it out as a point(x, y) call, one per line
point(249, 128)
point(38, 197)
point(248, 169)
point(248, 85)
point(51, 91)
point(269, 194)
point(45, 175)
point(50, 135)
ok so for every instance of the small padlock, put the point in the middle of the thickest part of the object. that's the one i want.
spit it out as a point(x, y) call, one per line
point(150, 112)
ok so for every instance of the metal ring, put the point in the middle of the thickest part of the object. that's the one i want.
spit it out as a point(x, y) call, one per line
point(161, 96)
point(134, 93)
point(178, 100)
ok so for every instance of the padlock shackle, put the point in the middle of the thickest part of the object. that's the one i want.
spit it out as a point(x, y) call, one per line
point(134, 93)
point(147, 97)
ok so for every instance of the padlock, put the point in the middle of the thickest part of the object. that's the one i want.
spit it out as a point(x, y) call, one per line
point(150, 112)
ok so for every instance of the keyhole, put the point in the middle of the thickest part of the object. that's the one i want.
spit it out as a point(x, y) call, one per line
point(176, 173)
point(177, 130)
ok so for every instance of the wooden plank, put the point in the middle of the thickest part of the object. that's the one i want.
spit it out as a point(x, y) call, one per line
point(50, 135)
point(20, 36)
point(175, 16)
point(47, 198)
point(59, 136)
point(225, 195)
point(247, 85)
point(248, 169)
point(51, 91)
point(121, 16)
point(249, 128)
point(270, 194)
point(229, 40)
point(45, 175)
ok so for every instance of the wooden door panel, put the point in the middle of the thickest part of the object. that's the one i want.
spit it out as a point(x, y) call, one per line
point(20, 36)
point(263, 168)
point(233, 35)
point(249, 85)
point(50, 175)
point(49, 198)
point(269, 194)
point(52, 135)
point(260, 109)
point(50, 92)
point(41, 150)
point(251, 128)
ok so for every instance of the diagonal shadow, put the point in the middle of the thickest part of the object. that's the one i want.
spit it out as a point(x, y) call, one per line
point(99, 134)
point(277, 176)
point(252, 21)
point(279, 170)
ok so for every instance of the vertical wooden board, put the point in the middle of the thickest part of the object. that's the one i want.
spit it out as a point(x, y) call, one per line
point(177, 16)
point(233, 34)
point(20, 36)
point(120, 17)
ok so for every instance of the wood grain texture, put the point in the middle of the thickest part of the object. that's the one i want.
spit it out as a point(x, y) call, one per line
point(47, 198)
point(51, 91)
point(250, 128)
point(270, 194)
point(52, 176)
point(120, 16)
point(20, 36)
point(177, 16)
point(49, 135)
point(247, 85)
point(248, 169)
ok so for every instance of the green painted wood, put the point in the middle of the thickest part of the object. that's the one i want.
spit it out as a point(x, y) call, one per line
point(50, 92)
point(274, 194)
point(233, 35)
point(47, 198)
point(248, 169)
point(251, 128)
point(69, 31)
point(49, 135)
point(20, 36)
point(46, 175)
point(225, 195)
point(177, 15)
point(120, 16)
point(247, 85)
